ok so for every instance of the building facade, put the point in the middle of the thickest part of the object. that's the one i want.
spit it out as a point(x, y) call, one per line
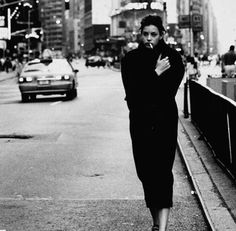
point(212, 40)
point(75, 27)
point(52, 22)
point(88, 21)
point(96, 22)
point(127, 14)
point(197, 24)
point(91, 24)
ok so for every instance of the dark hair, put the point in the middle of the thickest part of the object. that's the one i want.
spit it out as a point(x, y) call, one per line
point(231, 48)
point(153, 20)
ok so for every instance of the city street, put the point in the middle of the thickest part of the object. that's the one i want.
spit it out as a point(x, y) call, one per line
point(67, 165)
point(66, 161)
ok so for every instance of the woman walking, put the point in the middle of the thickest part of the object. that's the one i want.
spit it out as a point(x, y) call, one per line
point(151, 76)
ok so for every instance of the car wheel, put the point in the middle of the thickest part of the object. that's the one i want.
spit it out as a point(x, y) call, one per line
point(33, 97)
point(24, 97)
point(74, 92)
point(71, 94)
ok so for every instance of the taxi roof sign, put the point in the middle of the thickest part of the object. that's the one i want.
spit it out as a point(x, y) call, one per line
point(47, 54)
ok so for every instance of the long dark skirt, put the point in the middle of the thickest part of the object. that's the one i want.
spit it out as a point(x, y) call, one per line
point(154, 139)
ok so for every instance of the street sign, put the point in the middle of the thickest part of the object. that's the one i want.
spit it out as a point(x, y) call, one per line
point(197, 22)
point(5, 24)
point(184, 21)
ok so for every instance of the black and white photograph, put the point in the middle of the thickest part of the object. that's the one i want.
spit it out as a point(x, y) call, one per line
point(117, 115)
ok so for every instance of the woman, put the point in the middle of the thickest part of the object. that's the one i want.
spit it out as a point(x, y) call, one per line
point(151, 76)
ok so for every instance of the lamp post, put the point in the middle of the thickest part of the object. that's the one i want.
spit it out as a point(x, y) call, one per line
point(190, 29)
point(28, 38)
point(186, 84)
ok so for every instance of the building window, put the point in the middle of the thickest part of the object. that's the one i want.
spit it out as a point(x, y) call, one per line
point(87, 6)
point(122, 24)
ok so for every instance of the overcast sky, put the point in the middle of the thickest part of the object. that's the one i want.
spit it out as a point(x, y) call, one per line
point(225, 12)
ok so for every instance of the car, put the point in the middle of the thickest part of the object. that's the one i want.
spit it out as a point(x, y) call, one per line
point(47, 77)
point(95, 61)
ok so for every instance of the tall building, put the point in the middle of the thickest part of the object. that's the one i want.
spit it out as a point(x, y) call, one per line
point(52, 22)
point(88, 22)
point(85, 26)
point(96, 22)
point(76, 27)
point(199, 34)
point(211, 33)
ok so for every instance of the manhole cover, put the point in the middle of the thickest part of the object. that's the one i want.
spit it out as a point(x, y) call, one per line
point(15, 136)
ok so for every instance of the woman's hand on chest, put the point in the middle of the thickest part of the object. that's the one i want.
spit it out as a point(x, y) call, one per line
point(162, 64)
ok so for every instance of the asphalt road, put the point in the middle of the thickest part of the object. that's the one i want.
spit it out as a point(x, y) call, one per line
point(74, 169)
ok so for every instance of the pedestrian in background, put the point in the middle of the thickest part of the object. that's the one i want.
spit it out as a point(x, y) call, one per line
point(228, 63)
point(151, 76)
point(7, 64)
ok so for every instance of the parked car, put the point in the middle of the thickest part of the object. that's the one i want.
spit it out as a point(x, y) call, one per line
point(47, 77)
point(95, 61)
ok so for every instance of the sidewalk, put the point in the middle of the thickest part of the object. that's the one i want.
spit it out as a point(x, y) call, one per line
point(215, 190)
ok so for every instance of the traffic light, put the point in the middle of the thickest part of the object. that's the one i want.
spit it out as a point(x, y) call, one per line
point(67, 4)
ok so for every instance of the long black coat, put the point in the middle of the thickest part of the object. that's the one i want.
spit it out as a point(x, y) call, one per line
point(153, 118)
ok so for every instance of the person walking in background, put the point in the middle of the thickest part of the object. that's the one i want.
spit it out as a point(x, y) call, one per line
point(7, 64)
point(151, 76)
point(228, 62)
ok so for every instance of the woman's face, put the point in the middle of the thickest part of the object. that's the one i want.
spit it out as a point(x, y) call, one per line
point(150, 35)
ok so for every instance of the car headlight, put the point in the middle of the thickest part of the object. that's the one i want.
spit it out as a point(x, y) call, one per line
point(21, 80)
point(58, 77)
point(66, 77)
point(29, 79)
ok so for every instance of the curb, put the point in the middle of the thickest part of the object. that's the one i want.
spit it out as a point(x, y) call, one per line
point(196, 188)
point(212, 202)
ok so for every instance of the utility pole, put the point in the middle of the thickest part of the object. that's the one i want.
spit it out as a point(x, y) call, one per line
point(190, 29)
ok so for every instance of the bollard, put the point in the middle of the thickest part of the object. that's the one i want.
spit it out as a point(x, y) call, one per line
point(186, 112)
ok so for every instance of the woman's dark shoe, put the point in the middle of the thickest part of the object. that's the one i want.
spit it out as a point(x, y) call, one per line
point(155, 228)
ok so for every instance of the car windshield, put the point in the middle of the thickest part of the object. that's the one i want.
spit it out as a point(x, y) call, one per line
point(59, 65)
point(34, 67)
point(55, 66)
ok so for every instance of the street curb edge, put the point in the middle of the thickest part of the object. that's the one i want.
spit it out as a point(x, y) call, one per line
point(212, 203)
